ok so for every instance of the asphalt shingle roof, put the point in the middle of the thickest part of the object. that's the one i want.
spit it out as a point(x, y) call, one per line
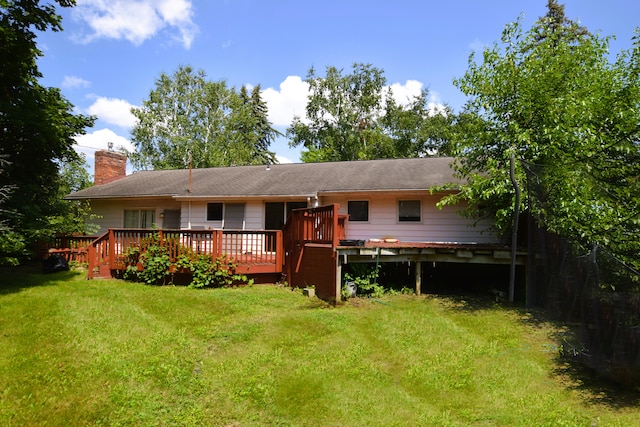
point(289, 179)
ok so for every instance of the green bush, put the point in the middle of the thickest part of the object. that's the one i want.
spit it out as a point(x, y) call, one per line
point(12, 248)
point(157, 265)
point(365, 280)
point(209, 272)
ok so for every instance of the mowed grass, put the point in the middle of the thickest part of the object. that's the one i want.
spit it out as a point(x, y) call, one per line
point(107, 352)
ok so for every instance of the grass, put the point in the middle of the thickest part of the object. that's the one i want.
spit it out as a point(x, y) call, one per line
point(108, 352)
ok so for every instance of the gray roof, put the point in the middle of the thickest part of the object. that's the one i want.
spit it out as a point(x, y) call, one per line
point(281, 180)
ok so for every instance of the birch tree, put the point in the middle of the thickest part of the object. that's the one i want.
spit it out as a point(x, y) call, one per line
point(188, 119)
point(354, 116)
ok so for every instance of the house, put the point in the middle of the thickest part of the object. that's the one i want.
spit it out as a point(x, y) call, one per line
point(384, 198)
point(390, 209)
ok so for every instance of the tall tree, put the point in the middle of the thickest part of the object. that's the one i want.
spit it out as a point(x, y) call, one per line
point(552, 98)
point(38, 124)
point(253, 129)
point(354, 116)
point(189, 117)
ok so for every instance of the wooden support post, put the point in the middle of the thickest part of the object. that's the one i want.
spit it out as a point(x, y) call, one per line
point(338, 280)
point(418, 277)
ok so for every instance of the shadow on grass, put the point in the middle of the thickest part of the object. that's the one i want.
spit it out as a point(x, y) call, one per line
point(30, 275)
point(594, 388)
point(571, 363)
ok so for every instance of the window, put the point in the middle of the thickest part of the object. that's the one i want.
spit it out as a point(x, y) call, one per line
point(409, 210)
point(358, 210)
point(276, 213)
point(234, 216)
point(139, 218)
point(214, 211)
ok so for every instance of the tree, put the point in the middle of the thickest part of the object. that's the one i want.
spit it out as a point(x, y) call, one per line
point(74, 215)
point(552, 98)
point(253, 129)
point(189, 117)
point(354, 116)
point(38, 124)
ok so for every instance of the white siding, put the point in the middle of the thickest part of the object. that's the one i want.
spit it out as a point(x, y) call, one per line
point(436, 225)
point(111, 213)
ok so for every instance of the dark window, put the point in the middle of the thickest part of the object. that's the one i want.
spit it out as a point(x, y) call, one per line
point(358, 210)
point(409, 210)
point(214, 211)
point(273, 215)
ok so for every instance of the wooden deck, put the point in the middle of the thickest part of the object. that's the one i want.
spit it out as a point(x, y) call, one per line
point(253, 252)
point(396, 251)
point(310, 250)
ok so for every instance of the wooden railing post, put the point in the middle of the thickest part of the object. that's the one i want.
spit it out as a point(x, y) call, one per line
point(279, 249)
point(91, 262)
point(217, 244)
point(112, 248)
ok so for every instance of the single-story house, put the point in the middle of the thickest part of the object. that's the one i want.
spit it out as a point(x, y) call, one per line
point(388, 204)
point(387, 198)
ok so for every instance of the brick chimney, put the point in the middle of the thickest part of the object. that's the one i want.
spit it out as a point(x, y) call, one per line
point(109, 166)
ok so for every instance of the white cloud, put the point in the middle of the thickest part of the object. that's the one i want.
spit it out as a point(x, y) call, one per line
point(435, 104)
point(99, 140)
point(136, 20)
point(113, 111)
point(289, 101)
point(71, 82)
point(403, 93)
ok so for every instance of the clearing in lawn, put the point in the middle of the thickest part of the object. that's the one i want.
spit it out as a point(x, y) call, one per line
point(108, 352)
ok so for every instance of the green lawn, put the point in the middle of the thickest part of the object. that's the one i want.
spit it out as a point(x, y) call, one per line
point(107, 352)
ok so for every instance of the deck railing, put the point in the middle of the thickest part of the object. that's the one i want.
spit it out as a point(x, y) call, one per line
point(322, 225)
point(251, 251)
point(72, 248)
point(311, 236)
point(98, 256)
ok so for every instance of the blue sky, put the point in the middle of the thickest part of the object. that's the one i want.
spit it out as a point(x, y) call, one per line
point(111, 52)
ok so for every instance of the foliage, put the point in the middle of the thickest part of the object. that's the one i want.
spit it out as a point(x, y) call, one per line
point(354, 117)
point(78, 352)
point(151, 263)
point(75, 215)
point(253, 129)
point(553, 99)
point(38, 124)
point(365, 280)
point(189, 119)
point(155, 263)
point(152, 256)
point(209, 272)
point(12, 247)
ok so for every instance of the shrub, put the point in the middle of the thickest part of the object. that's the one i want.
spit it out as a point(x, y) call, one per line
point(365, 280)
point(209, 272)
